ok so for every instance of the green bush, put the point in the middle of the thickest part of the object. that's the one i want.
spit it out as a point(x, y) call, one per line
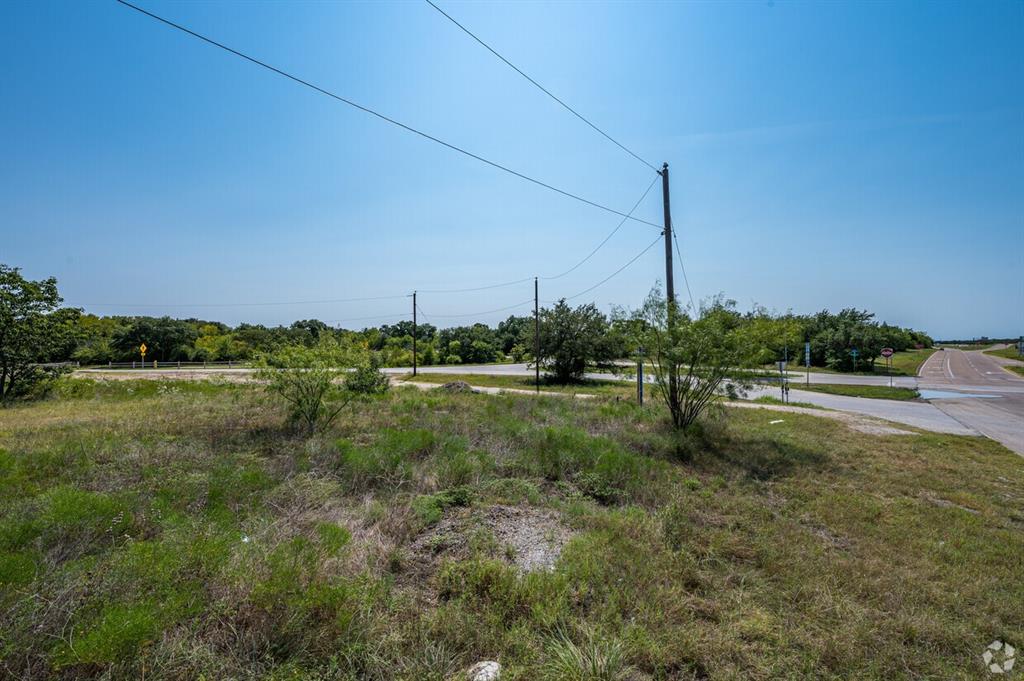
point(598, 466)
point(367, 378)
point(430, 507)
point(388, 462)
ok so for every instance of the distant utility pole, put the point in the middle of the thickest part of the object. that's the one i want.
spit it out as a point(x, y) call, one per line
point(413, 333)
point(670, 289)
point(536, 335)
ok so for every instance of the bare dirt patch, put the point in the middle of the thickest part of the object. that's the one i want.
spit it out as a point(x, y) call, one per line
point(529, 538)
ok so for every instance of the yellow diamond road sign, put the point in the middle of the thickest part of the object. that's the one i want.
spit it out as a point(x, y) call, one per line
point(142, 348)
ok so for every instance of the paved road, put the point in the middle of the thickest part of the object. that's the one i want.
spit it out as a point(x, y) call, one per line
point(999, 414)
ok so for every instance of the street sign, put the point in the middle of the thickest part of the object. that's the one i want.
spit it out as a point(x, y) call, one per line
point(854, 352)
point(887, 352)
point(807, 354)
point(142, 348)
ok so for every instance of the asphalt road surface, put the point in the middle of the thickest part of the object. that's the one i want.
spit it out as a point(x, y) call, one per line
point(996, 410)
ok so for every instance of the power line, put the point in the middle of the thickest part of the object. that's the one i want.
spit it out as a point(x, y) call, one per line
point(398, 315)
point(543, 89)
point(259, 304)
point(480, 314)
point(475, 288)
point(616, 272)
point(682, 268)
point(380, 115)
point(591, 254)
point(557, 276)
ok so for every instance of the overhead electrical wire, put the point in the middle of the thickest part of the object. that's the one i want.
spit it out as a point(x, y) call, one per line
point(616, 272)
point(682, 268)
point(557, 276)
point(258, 304)
point(379, 115)
point(478, 314)
point(543, 89)
point(591, 254)
point(399, 315)
point(474, 288)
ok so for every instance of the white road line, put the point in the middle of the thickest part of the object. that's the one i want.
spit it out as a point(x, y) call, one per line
point(949, 367)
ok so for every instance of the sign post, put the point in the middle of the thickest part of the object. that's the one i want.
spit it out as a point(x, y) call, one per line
point(807, 360)
point(142, 349)
point(887, 353)
point(640, 376)
point(782, 379)
point(854, 352)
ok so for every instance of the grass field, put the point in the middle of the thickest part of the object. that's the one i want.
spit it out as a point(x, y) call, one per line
point(881, 392)
point(591, 387)
point(1008, 353)
point(175, 530)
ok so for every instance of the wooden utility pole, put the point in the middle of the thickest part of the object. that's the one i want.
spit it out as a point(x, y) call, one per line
point(413, 333)
point(536, 335)
point(670, 289)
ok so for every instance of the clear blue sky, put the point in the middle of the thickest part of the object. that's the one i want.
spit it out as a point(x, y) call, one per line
point(822, 155)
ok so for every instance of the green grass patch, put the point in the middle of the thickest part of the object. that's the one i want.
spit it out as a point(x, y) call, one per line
point(585, 386)
point(1007, 353)
point(189, 534)
point(879, 392)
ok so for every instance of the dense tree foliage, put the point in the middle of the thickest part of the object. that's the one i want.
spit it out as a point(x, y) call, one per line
point(571, 339)
point(34, 329)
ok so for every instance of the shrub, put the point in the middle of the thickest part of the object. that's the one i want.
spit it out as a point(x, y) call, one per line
point(305, 378)
point(430, 507)
point(592, 660)
point(367, 378)
point(573, 339)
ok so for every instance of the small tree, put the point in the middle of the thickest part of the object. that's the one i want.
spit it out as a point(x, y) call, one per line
point(695, 360)
point(571, 340)
point(309, 380)
point(33, 329)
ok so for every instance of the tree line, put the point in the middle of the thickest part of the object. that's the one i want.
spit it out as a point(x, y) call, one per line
point(35, 328)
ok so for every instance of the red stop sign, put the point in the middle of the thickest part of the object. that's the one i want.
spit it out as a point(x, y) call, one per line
point(887, 352)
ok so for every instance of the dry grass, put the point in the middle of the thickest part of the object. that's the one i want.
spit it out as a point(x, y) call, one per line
point(177, 531)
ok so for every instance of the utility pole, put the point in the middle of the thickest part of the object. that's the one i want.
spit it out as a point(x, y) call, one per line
point(670, 289)
point(536, 335)
point(413, 333)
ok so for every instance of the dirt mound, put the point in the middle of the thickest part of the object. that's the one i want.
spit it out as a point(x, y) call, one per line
point(529, 538)
point(457, 387)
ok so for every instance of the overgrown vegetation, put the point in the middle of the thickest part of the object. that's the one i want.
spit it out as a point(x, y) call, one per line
point(175, 530)
point(317, 383)
point(695, 360)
